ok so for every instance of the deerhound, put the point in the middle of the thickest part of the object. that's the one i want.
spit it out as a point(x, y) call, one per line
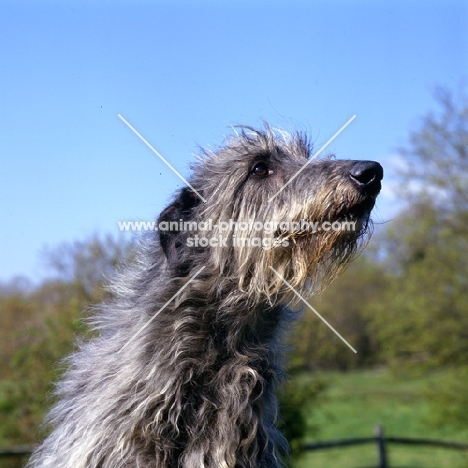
point(187, 355)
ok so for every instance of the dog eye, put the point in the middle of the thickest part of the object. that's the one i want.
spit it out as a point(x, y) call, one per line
point(261, 170)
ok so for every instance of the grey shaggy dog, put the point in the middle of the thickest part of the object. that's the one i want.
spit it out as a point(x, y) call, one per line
point(184, 367)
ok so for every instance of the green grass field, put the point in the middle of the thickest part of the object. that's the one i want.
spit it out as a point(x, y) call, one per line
point(356, 402)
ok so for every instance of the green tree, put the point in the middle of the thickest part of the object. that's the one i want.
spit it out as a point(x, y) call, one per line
point(437, 158)
point(423, 315)
point(343, 305)
point(39, 327)
point(298, 399)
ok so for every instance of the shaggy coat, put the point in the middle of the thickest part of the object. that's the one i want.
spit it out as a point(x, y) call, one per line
point(183, 369)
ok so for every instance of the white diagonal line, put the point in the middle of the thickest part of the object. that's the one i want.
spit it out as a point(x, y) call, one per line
point(313, 310)
point(314, 156)
point(160, 156)
point(161, 309)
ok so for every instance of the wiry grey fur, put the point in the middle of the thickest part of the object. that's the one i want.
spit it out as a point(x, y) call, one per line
point(196, 387)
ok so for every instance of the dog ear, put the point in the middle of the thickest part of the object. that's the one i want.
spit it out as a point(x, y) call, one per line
point(180, 209)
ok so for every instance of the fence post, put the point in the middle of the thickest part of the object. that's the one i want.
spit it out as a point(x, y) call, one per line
point(380, 438)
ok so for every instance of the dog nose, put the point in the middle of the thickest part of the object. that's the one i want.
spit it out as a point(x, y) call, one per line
point(367, 176)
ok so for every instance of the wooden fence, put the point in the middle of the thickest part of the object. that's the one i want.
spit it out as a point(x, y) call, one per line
point(381, 443)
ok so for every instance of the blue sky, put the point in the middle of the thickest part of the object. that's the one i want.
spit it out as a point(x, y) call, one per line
point(181, 73)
